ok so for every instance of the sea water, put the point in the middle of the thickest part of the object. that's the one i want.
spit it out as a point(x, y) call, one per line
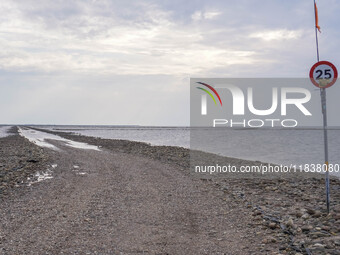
point(279, 146)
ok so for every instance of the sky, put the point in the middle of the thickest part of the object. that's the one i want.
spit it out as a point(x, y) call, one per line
point(120, 62)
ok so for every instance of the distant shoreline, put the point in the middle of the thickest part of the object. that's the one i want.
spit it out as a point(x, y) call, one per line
point(165, 152)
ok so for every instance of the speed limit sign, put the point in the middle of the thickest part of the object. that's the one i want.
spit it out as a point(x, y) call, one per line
point(323, 74)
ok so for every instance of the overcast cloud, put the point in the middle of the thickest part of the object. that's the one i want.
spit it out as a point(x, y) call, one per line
point(129, 62)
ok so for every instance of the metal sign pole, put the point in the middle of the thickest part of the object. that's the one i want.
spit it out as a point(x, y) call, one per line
point(324, 113)
point(325, 135)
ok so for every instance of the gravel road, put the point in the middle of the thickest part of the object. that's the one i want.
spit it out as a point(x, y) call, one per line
point(106, 202)
point(133, 198)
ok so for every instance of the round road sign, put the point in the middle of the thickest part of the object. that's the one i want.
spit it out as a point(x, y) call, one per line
point(323, 74)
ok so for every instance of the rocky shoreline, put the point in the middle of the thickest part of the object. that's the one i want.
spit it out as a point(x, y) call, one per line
point(288, 212)
point(19, 160)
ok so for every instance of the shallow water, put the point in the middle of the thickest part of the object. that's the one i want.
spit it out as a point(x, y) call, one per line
point(284, 146)
point(170, 136)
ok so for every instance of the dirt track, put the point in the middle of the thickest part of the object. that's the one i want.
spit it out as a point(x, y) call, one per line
point(133, 198)
point(117, 203)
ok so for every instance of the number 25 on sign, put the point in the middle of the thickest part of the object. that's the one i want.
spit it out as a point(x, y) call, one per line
point(323, 74)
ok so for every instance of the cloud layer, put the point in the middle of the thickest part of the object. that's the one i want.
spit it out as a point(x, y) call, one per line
point(82, 51)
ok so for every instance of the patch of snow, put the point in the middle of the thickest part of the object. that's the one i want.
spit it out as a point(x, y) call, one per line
point(39, 138)
point(41, 176)
point(4, 131)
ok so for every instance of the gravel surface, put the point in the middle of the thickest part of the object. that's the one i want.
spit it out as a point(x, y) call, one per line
point(19, 160)
point(132, 198)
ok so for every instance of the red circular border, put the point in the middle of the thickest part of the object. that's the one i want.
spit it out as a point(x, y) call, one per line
point(323, 63)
